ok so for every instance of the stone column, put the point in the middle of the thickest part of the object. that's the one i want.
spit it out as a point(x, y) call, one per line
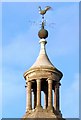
point(38, 93)
point(29, 96)
point(26, 96)
point(34, 98)
point(50, 94)
point(56, 97)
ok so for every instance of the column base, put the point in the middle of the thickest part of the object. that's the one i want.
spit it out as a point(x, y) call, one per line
point(39, 108)
point(29, 109)
point(50, 108)
point(58, 112)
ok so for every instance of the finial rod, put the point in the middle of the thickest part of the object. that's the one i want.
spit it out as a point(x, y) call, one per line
point(43, 25)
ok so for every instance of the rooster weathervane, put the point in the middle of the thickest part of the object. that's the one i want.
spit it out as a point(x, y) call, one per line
point(43, 12)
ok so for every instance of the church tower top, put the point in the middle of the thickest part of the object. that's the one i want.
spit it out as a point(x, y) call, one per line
point(43, 62)
point(43, 77)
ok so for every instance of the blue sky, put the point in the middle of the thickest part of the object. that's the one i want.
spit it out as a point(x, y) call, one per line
point(20, 45)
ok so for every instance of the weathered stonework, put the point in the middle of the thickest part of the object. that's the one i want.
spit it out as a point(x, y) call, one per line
point(39, 73)
point(43, 76)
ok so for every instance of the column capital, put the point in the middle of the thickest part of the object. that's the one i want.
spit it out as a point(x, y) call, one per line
point(38, 80)
point(28, 82)
point(57, 84)
point(49, 80)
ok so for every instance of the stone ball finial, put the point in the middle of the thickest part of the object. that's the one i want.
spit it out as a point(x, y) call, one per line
point(43, 33)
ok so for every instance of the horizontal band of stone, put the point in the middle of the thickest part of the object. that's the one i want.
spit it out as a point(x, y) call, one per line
point(42, 74)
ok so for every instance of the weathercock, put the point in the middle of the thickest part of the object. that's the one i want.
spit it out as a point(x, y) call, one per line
point(42, 12)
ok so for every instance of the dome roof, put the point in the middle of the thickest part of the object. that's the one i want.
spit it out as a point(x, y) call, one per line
point(42, 60)
point(43, 66)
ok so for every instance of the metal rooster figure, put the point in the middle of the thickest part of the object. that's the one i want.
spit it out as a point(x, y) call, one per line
point(43, 12)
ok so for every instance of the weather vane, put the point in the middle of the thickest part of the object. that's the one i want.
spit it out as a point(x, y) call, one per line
point(43, 33)
point(43, 12)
